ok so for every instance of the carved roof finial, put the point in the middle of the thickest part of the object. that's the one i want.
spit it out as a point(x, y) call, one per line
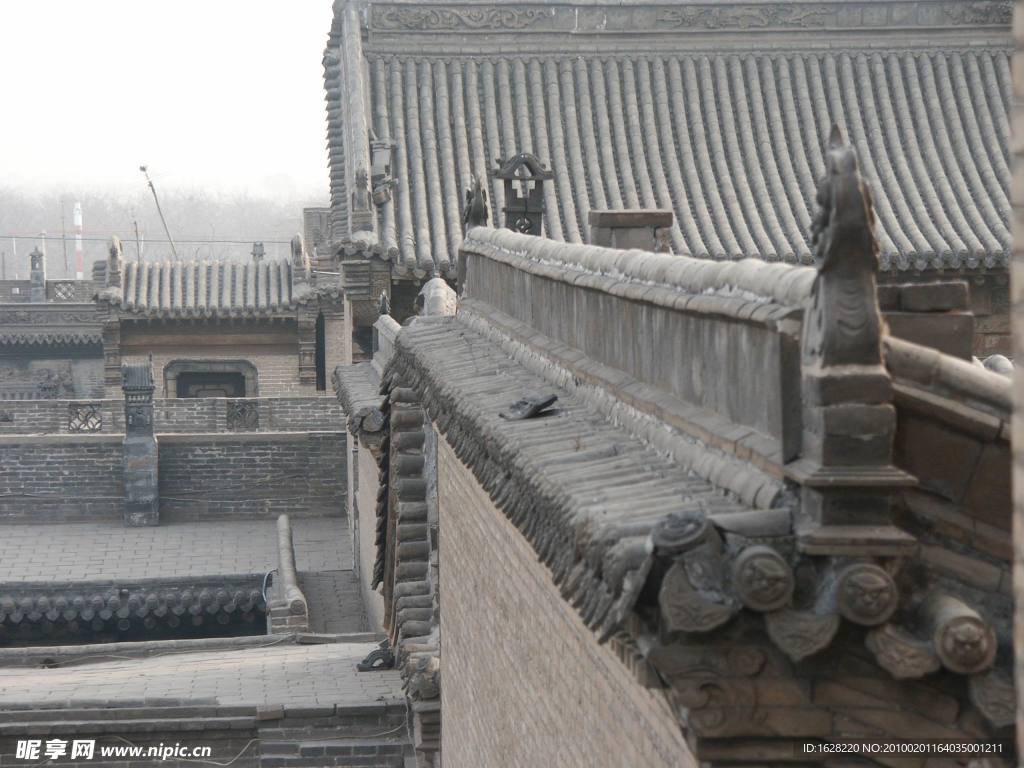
point(845, 326)
point(114, 262)
point(835, 138)
point(476, 214)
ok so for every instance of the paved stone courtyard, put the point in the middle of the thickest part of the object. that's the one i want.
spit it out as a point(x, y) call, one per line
point(101, 551)
point(291, 675)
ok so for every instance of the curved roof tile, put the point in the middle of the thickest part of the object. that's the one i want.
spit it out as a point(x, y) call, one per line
point(205, 288)
point(731, 142)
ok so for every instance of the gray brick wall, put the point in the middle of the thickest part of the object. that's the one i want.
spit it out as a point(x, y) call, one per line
point(45, 417)
point(72, 478)
point(254, 475)
point(364, 524)
point(61, 477)
point(529, 693)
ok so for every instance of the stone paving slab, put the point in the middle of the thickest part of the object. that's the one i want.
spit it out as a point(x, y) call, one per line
point(100, 551)
point(291, 675)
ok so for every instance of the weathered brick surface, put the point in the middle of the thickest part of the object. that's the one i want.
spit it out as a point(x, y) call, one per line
point(529, 693)
point(254, 475)
point(284, 414)
point(69, 478)
point(61, 478)
point(364, 524)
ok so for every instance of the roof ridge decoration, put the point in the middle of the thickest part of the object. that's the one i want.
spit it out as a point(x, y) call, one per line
point(524, 207)
point(680, 17)
point(849, 420)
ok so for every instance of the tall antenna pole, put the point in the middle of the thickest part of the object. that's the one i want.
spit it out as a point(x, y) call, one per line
point(138, 241)
point(163, 221)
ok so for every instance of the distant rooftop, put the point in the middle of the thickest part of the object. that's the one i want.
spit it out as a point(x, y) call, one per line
point(718, 111)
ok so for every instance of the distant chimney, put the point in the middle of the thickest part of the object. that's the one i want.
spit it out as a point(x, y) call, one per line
point(630, 228)
point(37, 276)
point(115, 259)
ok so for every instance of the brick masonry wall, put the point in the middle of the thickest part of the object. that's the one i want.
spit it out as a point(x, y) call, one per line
point(337, 340)
point(21, 373)
point(1017, 309)
point(989, 303)
point(61, 477)
point(253, 475)
point(365, 513)
point(525, 683)
point(286, 414)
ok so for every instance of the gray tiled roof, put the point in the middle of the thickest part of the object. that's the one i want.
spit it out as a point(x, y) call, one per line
point(718, 111)
point(586, 493)
point(732, 143)
point(207, 288)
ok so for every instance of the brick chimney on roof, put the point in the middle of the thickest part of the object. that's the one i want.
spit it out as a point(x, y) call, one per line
point(636, 228)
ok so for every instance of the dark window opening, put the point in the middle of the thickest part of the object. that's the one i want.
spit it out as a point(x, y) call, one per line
point(321, 354)
point(210, 384)
point(362, 343)
point(403, 299)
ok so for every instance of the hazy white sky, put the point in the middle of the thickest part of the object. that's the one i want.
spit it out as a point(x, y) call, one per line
point(218, 94)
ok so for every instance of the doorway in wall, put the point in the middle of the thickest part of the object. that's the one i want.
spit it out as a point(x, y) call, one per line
point(210, 378)
point(220, 384)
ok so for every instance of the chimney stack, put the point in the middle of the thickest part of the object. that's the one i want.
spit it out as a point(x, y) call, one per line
point(630, 228)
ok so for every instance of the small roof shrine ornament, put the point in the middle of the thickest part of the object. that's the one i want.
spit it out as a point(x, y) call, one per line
point(524, 207)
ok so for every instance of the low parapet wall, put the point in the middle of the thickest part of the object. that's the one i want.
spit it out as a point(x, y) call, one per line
point(51, 478)
point(178, 415)
point(709, 348)
point(258, 475)
point(61, 477)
